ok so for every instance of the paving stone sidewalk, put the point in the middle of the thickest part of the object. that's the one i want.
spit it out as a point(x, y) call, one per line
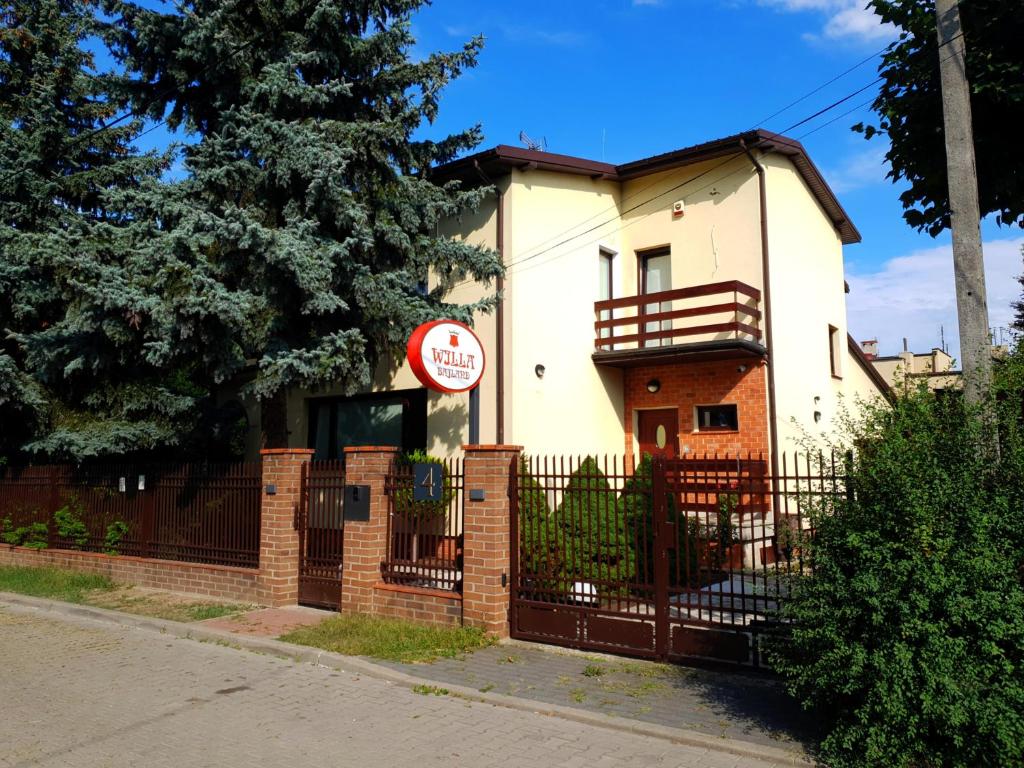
point(716, 703)
point(85, 694)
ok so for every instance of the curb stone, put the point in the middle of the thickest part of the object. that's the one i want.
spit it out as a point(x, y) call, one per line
point(355, 664)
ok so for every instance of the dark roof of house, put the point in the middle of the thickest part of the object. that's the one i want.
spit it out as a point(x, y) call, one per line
point(501, 159)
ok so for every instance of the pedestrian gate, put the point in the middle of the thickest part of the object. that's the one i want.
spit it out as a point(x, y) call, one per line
point(320, 521)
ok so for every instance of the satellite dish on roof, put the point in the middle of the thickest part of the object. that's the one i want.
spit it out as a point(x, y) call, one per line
point(537, 146)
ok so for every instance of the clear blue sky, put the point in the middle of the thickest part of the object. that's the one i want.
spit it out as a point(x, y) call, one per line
point(624, 79)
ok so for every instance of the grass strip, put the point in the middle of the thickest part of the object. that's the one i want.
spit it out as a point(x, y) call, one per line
point(54, 583)
point(389, 639)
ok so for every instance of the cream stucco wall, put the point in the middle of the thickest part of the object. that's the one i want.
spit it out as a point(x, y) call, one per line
point(808, 296)
point(550, 291)
point(718, 236)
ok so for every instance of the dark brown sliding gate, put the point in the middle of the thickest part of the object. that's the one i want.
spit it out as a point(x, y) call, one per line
point(674, 559)
point(321, 526)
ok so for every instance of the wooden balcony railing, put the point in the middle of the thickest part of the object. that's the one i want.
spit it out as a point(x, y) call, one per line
point(724, 311)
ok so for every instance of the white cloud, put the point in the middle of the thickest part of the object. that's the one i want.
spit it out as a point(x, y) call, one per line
point(843, 19)
point(860, 170)
point(538, 35)
point(913, 296)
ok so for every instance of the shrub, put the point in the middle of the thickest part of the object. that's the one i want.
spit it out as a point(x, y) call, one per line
point(68, 521)
point(599, 542)
point(907, 640)
point(34, 535)
point(539, 552)
point(116, 532)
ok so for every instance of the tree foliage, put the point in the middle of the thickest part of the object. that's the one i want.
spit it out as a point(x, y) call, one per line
point(56, 168)
point(296, 246)
point(908, 638)
point(289, 248)
point(909, 107)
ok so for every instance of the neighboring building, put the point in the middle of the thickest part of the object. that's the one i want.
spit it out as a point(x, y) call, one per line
point(908, 368)
point(935, 368)
point(688, 302)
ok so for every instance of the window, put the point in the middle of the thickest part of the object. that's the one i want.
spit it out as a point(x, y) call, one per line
point(834, 351)
point(604, 285)
point(720, 418)
point(656, 276)
point(387, 418)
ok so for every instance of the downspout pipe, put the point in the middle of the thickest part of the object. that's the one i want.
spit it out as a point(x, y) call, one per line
point(768, 340)
point(499, 309)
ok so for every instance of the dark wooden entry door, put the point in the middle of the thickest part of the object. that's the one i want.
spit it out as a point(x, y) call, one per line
point(659, 432)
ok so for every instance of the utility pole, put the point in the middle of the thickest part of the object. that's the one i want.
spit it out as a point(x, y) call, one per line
point(968, 267)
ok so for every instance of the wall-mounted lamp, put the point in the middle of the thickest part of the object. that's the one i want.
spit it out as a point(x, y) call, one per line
point(653, 386)
point(817, 416)
point(539, 370)
point(741, 369)
point(142, 482)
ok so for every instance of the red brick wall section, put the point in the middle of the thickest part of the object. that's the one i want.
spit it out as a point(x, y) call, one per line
point(218, 581)
point(486, 545)
point(279, 540)
point(425, 606)
point(686, 385)
point(366, 542)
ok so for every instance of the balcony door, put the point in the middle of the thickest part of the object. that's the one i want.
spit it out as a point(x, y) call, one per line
point(656, 276)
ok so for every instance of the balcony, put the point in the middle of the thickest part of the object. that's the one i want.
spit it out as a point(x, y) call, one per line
point(703, 322)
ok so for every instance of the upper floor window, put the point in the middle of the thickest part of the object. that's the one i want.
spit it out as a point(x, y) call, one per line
point(834, 351)
point(605, 260)
point(655, 268)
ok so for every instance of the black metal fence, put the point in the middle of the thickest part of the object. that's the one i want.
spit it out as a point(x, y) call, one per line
point(425, 537)
point(200, 513)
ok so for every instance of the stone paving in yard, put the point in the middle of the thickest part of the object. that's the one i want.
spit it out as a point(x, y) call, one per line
point(739, 706)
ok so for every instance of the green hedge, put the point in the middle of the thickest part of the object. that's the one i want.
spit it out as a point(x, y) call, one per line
point(908, 639)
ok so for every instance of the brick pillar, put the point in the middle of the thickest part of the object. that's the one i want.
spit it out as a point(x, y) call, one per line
point(486, 537)
point(279, 541)
point(366, 542)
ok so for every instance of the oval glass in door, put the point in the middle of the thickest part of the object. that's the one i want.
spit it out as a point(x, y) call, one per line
point(660, 436)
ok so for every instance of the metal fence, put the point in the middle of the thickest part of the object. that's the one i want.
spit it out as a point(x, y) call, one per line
point(425, 537)
point(200, 513)
point(674, 558)
point(321, 526)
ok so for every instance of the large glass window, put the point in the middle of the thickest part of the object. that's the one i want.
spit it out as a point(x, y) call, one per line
point(656, 276)
point(604, 285)
point(392, 418)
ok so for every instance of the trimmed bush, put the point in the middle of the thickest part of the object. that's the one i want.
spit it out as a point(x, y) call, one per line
point(907, 641)
point(599, 541)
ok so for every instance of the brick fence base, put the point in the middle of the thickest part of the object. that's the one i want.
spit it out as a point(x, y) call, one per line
point(221, 581)
point(424, 606)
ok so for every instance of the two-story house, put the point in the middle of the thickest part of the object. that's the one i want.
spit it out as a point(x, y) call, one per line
point(688, 302)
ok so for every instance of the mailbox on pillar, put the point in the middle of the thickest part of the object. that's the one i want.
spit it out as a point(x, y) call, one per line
point(448, 357)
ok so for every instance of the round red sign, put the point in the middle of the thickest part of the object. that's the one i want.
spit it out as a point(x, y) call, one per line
point(446, 356)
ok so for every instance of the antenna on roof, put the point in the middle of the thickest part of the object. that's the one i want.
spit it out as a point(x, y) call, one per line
point(537, 146)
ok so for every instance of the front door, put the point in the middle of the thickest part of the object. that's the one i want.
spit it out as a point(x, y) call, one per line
point(659, 432)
